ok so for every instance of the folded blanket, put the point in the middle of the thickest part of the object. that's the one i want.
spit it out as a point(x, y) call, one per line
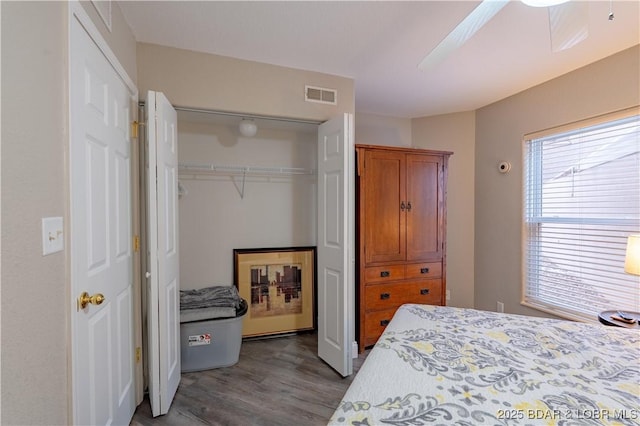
point(205, 314)
point(217, 296)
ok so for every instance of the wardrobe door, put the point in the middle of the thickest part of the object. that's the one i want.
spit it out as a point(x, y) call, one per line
point(385, 206)
point(425, 205)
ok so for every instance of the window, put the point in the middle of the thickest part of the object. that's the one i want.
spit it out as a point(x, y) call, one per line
point(582, 200)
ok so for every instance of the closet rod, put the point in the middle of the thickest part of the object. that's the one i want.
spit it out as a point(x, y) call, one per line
point(211, 168)
point(254, 116)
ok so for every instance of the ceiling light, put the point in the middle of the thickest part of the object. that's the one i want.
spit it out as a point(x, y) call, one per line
point(248, 127)
point(543, 3)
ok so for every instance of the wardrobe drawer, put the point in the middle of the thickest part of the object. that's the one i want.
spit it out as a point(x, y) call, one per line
point(383, 273)
point(424, 270)
point(374, 325)
point(386, 296)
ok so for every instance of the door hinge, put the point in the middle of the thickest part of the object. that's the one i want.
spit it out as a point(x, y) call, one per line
point(136, 243)
point(135, 127)
point(138, 354)
point(134, 130)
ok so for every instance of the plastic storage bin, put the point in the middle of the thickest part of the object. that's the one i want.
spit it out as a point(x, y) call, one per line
point(211, 343)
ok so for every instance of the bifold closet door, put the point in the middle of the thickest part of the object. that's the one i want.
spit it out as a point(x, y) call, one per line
point(336, 287)
point(163, 311)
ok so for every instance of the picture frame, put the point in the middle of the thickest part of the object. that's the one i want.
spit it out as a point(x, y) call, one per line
point(279, 285)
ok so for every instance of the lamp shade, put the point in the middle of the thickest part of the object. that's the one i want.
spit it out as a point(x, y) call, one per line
point(632, 260)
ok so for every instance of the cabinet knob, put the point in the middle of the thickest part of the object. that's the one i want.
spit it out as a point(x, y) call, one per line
point(424, 291)
point(384, 322)
point(424, 270)
point(385, 274)
point(384, 296)
point(402, 206)
point(409, 206)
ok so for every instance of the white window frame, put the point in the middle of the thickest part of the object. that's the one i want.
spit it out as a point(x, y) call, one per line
point(536, 280)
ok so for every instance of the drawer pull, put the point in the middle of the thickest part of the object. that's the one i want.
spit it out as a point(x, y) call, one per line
point(385, 274)
point(384, 323)
point(424, 291)
point(424, 270)
point(384, 296)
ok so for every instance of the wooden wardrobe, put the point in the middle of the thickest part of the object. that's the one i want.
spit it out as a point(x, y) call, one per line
point(401, 233)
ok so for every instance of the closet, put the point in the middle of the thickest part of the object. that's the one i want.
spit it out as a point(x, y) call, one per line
point(290, 184)
point(233, 185)
point(401, 233)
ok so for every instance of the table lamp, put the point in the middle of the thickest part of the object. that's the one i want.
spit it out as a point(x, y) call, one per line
point(631, 266)
point(632, 260)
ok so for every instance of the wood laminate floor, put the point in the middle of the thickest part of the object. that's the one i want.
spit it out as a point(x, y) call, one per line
point(277, 381)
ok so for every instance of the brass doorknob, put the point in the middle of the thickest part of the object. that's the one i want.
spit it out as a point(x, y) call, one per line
point(84, 299)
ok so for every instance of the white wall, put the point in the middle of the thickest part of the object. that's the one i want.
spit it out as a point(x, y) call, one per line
point(273, 212)
point(372, 129)
point(456, 133)
point(605, 86)
point(34, 309)
point(219, 83)
point(36, 298)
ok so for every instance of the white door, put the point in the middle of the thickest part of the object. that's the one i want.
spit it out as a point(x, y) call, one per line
point(103, 384)
point(335, 243)
point(163, 285)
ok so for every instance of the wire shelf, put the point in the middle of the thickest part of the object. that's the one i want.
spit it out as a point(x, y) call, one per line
point(205, 168)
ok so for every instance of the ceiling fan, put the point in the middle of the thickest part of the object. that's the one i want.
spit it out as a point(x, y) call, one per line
point(568, 26)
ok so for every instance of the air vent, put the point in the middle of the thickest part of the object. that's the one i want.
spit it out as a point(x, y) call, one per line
point(321, 95)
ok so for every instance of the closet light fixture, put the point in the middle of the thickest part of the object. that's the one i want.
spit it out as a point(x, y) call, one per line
point(248, 127)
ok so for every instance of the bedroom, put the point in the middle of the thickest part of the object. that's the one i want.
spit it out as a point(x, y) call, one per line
point(480, 264)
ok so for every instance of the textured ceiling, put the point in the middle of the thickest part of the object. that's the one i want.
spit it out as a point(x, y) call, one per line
point(380, 43)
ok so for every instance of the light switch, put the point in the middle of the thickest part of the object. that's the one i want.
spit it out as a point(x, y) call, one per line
point(52, 235)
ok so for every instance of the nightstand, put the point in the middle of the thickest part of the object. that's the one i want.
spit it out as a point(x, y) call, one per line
point(605, 318)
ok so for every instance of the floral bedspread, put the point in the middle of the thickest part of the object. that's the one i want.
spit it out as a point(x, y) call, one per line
point(451, 366)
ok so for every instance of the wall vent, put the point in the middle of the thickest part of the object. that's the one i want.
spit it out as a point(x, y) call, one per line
point(321, 95)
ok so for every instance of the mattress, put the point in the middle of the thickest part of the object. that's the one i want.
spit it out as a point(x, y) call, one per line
point(444, 365)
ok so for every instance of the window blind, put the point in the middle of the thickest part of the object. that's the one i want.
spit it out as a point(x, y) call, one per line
point(582, 201)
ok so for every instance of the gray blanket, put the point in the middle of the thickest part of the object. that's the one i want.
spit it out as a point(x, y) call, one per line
point(217, 296)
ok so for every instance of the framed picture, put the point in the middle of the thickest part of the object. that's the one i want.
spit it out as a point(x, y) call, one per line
point(279, 287)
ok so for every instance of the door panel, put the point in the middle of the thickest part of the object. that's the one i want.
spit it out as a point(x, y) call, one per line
point(384, 195)
point(122, 186)
point(424, 218)
point(100, 229)
point(97, 154)
point(162, 243)
point(335, 243)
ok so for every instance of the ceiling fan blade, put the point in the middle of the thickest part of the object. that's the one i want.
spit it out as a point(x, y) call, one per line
point(462, 32)
point(568, 24)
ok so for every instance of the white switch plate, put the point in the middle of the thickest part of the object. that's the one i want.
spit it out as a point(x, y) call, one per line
point(52, 235)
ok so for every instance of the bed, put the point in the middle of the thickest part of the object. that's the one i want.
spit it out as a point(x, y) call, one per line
point(452, 366)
